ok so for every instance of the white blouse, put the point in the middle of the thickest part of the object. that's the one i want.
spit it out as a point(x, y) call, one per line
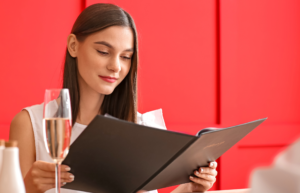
point(152, 118)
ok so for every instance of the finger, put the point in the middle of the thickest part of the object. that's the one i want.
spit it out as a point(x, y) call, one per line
point(49, 180)
point(207, 170)
point(67, 176)
point(45, 166)
point(44, 174)
point(65, 168)
point(36, 173)
point(205, 176)
point(141, 191)
point(204, 183)
point(213, 165)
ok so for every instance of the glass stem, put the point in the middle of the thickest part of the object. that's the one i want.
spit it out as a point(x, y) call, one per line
point(57, 177)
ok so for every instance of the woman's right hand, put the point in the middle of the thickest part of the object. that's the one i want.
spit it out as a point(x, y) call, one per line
point(41, 177)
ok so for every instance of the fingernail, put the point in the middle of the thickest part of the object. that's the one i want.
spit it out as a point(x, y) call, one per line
point(197, 173)
point(67, 168)
point(64, 183)
point(191, 177)
point(72, 176)
point(211, 164)
point(201, 170)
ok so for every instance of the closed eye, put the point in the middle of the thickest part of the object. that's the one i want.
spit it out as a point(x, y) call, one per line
point(126, 57)
point(101, 52)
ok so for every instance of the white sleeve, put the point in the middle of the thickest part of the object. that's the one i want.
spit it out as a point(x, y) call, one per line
point(152, 191)
point(152, 119)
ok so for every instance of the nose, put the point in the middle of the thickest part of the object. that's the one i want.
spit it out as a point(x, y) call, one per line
point(114, 65)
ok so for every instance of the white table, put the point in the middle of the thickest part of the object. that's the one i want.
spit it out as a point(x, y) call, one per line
point(228, 191)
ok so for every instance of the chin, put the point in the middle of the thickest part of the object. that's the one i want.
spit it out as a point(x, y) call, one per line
point(106, 91)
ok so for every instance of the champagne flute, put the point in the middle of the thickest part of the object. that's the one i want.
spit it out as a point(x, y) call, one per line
point(57, 124)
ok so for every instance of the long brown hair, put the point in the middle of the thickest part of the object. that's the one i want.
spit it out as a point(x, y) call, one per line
point(122, 103)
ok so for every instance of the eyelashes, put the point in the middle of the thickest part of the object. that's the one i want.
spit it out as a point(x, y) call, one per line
point(103, 53)
point(106, 53)
point(126, 57)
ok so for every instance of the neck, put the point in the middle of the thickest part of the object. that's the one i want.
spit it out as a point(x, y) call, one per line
point(89, 104)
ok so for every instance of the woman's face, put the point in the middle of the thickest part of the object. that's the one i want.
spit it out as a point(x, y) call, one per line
point(104, 58)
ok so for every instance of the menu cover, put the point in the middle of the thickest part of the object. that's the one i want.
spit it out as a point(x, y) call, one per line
point(113, 155)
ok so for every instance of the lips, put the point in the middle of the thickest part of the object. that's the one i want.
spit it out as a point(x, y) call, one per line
point(108, 79)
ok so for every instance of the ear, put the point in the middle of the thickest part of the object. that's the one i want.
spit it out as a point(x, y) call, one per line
point(72, 45)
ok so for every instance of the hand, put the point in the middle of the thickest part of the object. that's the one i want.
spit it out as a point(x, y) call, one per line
point(206, 177)
point(41, 177)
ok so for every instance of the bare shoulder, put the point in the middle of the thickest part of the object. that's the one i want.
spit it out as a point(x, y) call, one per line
point(21, 131)
point(20, 125)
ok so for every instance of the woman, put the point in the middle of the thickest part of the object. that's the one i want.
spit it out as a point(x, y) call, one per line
point(100, 71)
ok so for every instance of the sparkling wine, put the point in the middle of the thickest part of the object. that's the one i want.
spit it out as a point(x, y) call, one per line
point(57, 124)
point(58, 133)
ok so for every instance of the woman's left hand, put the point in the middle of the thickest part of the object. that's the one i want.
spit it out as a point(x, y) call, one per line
point(206, 177)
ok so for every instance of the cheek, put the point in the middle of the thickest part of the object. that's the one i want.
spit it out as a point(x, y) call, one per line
point(89, 65)
point(125, 70)
point(85, 61)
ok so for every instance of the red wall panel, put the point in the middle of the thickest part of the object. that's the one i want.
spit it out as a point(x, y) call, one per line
point(33, 42)
point(260, 47)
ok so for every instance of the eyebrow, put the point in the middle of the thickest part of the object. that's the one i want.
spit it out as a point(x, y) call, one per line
point(110, 46)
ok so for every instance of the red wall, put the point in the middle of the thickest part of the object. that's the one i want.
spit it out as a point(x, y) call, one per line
point(33, 42)
point(205, 63)
point(260, 67)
